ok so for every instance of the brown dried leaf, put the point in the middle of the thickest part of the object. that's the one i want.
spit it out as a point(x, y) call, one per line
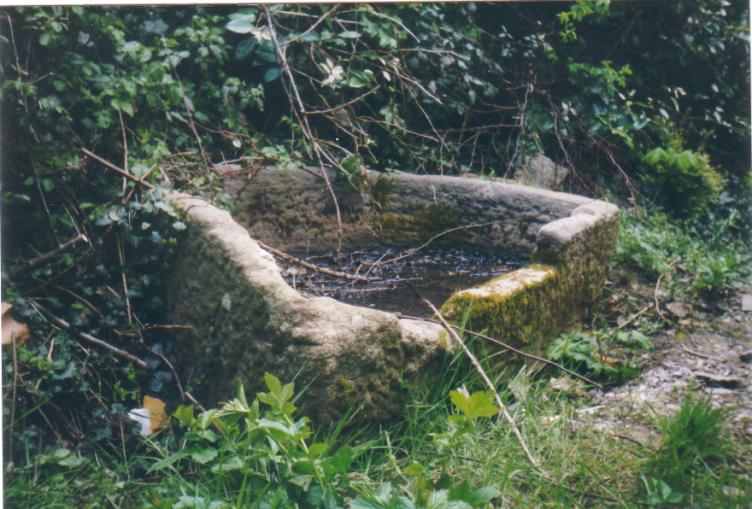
point(11, 328)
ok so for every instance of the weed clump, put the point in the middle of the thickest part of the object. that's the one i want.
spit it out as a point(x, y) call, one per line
point(691, 462)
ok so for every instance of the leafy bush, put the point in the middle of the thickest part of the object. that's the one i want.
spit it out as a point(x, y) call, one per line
point(693, 263)
point(260, 455)
point(684, 179)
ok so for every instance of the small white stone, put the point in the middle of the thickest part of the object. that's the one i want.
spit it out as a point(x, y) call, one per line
point(226, 302)
point(747, 302)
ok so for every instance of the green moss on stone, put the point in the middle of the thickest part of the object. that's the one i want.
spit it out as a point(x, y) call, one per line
point(380, 191)
point(421, 226)
point(346, 388)
point(520, 308)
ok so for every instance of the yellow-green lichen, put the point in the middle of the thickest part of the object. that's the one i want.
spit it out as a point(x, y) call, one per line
point(443, 340)
point(345, 387)
point(521, 307)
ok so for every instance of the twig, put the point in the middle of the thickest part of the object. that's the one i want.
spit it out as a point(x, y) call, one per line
point(193, 400)
point(698, 354)
point(62, 324)
point(345, 104)
point(657, 289)
point(169, 365)
point(125, 153)
point(13, 397)
point(411, 252)
point(39, 260)
point(519, 352)
point(635, 316)
point(121, 260)
point(482, 374)
point(301, 114)
point(311, 266)
point(133, 332)
point(191, 123)
point(20, 71)
point(117, 169)
point(312, 27)
point(79, 298)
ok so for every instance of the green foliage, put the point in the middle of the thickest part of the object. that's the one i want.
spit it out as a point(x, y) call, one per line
point(429, 489)
point(261, 456)
point(692, 262)
point(684, 179)
point(601, 354)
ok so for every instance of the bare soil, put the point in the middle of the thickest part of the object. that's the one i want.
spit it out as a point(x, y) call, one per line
point(708, 354)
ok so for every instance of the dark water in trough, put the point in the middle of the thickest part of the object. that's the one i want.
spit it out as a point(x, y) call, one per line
point(435, 273)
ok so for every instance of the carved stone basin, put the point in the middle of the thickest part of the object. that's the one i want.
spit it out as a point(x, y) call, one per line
point(247, 320)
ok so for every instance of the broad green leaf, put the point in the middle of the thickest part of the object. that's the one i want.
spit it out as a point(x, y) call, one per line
point(204, 456)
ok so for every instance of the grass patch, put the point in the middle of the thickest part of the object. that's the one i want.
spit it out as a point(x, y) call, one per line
point(692, 464)
point(453, 451)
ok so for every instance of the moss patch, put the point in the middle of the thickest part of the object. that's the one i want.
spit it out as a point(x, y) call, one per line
point(380, 191)
point(421, 226)
point(521, 308)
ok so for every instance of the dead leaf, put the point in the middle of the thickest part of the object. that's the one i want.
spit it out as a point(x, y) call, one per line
point(156, 407)
point(12, 328)
point(677, 309)
point(611, 361)
point(567, 386)
point(151, 416)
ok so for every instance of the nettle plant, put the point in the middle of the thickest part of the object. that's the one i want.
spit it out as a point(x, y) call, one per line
point(604, 355)
point(261, 454)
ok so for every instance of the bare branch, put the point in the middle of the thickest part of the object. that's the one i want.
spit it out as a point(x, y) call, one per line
point(483, 375)
point(62, 324)
point(308, 265)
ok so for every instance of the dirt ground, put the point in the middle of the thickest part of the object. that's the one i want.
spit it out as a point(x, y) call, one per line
point(712, 355)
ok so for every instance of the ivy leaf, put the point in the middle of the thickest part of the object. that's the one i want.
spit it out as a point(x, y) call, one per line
point(349, 34)
point(271, 74)
point(241, 23)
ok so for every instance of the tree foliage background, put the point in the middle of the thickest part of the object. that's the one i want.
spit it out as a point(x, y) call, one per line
point(647, 102)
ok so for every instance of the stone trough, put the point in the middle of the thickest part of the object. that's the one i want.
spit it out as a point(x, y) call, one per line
point(247, 320)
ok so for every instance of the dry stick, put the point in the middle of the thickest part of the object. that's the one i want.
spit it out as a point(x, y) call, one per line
point(309, 265)
point(39, 260)
point(312, 27)
point(636, 316)
point(345, 104)
point(519, 352)
point(191, 123)
point(305, 126)
point(13, 397)
point(117, 169)
point(411, 252)
point(62, 324)
point(125, 154)
point(121, 259)
point(483, 375)
point(657, 290)
point(698, 354)
point(79, 298)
